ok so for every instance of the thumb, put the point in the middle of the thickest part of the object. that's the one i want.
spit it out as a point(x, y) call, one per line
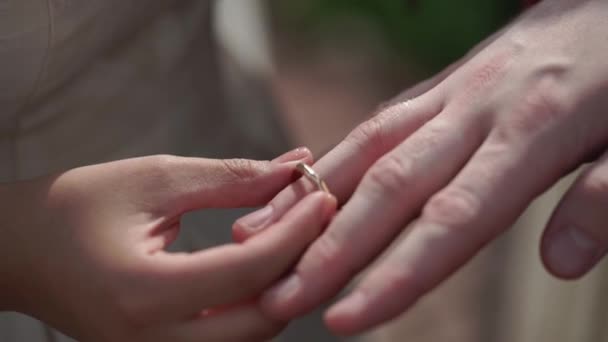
point(231, 183)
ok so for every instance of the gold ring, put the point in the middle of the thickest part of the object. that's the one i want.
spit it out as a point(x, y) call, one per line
point(313, 176)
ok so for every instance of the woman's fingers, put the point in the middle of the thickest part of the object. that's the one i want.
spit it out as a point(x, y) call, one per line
point(244, 323)
point(577, 235)
point(177, 185)
point(229, 274)
point(481, 202)
point(196, 183)
point(345, 165)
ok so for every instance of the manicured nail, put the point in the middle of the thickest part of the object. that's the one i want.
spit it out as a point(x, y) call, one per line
point(571, 251)
point(256, 220)
point(297, 154)
point(284, 291)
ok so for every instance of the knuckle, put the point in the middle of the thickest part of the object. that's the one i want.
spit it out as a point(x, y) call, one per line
point(453, 207)
point(542, 107)
point(390, 176)
point(324, 251)
point(162, 162)
point(398, 280)
point(160, 168)
point(485, 75)
point(244, 169)
point(370, 135)
point(164, 158)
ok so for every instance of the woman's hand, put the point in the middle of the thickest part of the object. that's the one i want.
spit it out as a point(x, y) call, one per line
point(459, 164)
point(87, 249)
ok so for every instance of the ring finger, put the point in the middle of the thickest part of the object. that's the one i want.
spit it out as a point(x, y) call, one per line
point(391, 194)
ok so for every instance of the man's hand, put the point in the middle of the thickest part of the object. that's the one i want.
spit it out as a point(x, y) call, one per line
point(457, 164)
point(87, 249)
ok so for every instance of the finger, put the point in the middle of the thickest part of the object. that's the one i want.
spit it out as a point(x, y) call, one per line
point(344, 166)
point(482, 201)
point(243, 323)
point(196, 183)
point(576, 237)
point(232, 273)
point(390, 194)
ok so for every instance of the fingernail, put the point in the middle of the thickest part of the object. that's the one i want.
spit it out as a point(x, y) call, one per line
point(571, 251)
point(256, 219)
point(297, 154)
point(284, 291)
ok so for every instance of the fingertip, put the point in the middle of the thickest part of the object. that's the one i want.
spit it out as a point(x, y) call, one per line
point(560, 274)
point(302, 154)
point(342, 318)
point(568, 253)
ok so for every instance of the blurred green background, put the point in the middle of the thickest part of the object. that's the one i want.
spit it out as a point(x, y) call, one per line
point(430, 33)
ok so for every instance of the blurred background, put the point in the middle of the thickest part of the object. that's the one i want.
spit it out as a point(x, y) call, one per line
point(326, 66)
point(336, 61)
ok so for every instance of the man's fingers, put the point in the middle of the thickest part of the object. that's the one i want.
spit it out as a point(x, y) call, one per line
point(390, 195)
point(214, 183)
point(576, 237)
point(345, 165)
point(232, 273)
point(482, 201)
point(242, 323)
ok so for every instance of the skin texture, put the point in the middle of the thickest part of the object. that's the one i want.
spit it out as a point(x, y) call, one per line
point(456, 165)
point(86, 249)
